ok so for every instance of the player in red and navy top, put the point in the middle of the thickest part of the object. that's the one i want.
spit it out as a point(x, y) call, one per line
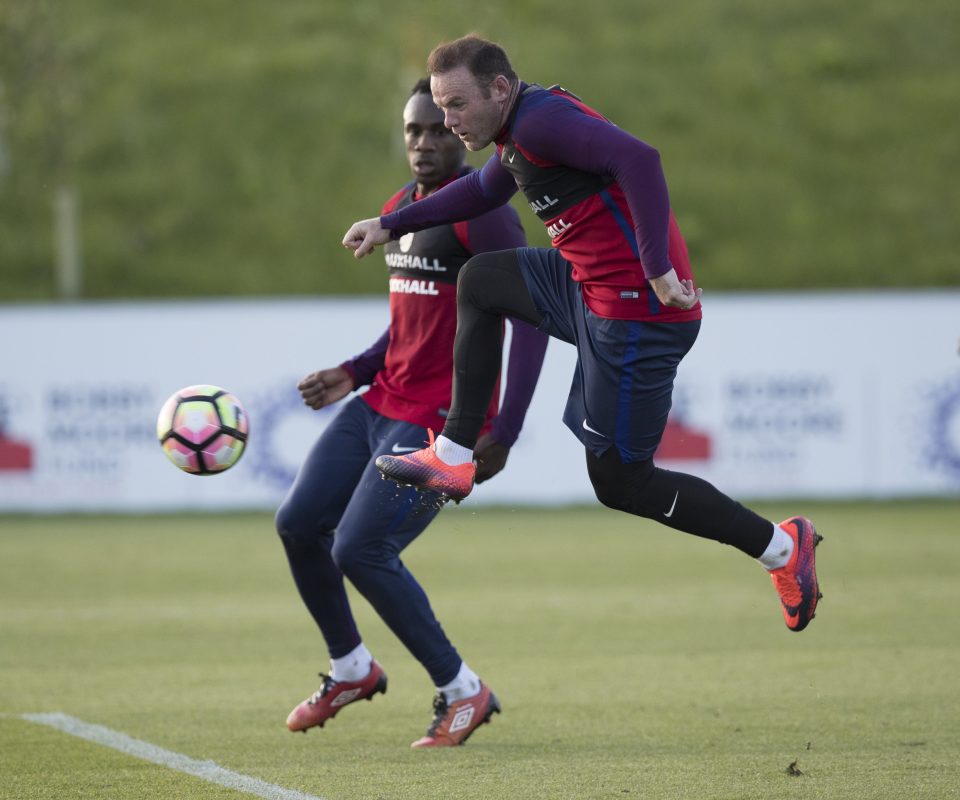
point(617, 284)
point(339, 518)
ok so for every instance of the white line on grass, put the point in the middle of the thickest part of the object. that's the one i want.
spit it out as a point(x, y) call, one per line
point(207, 770)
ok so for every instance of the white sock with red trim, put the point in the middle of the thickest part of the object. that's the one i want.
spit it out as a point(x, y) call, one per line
point(354, 666)
point(465, 685)
point(451, 453)
point(779, 550)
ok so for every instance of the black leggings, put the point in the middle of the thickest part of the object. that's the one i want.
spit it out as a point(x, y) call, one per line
point(680, 501)
point(490, 287)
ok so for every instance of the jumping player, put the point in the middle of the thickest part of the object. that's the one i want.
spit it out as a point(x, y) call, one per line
point(617, 284)
point(339, 518)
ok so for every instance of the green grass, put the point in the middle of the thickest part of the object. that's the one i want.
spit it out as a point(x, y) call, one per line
point(224, 147)
point(631, 661)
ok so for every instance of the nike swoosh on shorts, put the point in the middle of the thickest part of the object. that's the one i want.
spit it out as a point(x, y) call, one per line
point(588, 428)
point(398, 449)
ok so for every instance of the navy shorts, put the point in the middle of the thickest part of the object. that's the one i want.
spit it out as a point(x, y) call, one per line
point(622, 389)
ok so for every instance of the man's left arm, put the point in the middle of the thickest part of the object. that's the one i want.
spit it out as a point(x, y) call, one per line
point(562, 133)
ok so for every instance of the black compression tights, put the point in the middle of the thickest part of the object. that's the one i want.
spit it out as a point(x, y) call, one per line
point(490, 287)
point(680, 501)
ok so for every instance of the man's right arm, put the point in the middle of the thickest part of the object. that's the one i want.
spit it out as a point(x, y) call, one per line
point(467, 197)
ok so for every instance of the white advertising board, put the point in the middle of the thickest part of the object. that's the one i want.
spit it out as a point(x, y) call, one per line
point(800, 395)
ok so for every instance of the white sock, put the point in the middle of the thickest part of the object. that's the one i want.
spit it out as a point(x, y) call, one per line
point(465, 685)
point(354, 666)
point(452, 453)
point(779, 550)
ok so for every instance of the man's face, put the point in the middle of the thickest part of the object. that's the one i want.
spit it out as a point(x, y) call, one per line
point(434, 152)
point(473, 113)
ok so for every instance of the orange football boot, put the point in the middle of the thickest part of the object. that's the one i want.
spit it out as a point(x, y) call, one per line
point(423, 470)
point(796, 581)
point(454, 722)
point(334, 695)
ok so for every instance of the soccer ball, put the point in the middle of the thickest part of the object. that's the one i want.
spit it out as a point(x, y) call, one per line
point(203, 429)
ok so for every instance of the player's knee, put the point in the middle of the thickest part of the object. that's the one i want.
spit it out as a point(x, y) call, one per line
point(294, 526)
point(620, 486)
point(361, 562)
point(609, 484)
point(611, 494)
point(283, 523)
point(470, 280)
point(354, 563)
point(344, 556)
point(349, 557)
point(482, 282)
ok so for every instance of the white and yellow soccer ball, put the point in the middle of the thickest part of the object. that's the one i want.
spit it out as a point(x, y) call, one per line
point(203, 429)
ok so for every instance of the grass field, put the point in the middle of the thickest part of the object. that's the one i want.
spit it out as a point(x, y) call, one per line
point(632, 662)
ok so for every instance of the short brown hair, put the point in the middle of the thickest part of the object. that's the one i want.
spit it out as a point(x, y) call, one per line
point(484, 59)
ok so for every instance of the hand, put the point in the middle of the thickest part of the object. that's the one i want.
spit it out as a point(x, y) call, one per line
point(363, 236)
point(673, 292)
point(491, 457)
point(325, 386)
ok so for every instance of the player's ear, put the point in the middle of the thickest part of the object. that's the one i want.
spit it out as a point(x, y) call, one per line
point(500, 88)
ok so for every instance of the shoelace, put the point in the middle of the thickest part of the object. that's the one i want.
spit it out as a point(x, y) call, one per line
point(440, 709)
point(423, 456)
point(789, 587)
point(328, 684)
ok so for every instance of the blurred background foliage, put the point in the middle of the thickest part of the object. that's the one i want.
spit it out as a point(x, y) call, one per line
point(222, 148)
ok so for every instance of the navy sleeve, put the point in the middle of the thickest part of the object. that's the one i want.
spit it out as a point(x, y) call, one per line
point(560, 132)
point(364, 366)
point(527, 348)
point(467, 197)
point(499, 229)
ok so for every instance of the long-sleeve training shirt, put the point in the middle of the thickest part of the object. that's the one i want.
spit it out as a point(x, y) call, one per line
point(410, 367)
point(599, 191)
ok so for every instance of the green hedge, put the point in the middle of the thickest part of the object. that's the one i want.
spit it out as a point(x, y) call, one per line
point(222, 148)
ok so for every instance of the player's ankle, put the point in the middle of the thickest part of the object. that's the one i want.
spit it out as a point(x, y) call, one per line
point(779, 550)
point(451, 453)
point(465, 684)
point(354, 666)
